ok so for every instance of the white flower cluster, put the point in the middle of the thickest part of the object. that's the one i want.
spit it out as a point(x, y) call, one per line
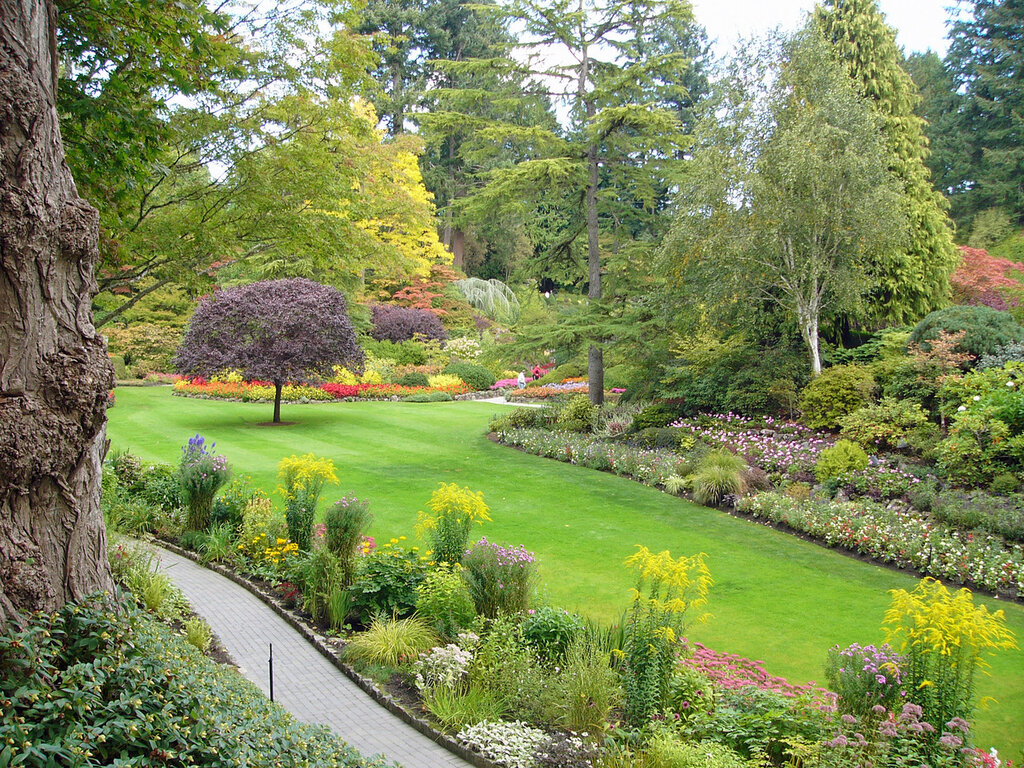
point(512, 744)
point(463, 348)
point(444, 666)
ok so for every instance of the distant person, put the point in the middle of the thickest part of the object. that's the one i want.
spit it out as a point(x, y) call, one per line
point(521, 381)
point(537, 372)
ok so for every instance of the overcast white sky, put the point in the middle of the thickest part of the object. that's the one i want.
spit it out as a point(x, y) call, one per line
point(919, 24)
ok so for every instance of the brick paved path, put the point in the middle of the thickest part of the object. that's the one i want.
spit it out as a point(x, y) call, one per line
point(305, 683)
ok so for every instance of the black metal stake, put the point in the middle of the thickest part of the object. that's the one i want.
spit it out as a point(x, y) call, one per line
point(271, 671)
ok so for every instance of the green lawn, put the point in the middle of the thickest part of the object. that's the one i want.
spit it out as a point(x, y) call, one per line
point(776, 598)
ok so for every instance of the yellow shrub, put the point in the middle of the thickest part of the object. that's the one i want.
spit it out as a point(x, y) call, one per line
point(344, 376)
point(228, 376)
point(444, 380)
point(371, 377)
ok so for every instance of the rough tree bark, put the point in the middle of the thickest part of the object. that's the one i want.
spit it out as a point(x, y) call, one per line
point(54, 369)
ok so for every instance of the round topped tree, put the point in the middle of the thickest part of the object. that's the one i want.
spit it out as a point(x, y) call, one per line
point(282, 331)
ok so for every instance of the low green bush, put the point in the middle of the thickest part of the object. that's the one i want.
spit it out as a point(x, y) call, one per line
point(522, 417)
point(834, 394)
point(402, 352)
point(985, 329)
point(978, 510)
point(844, 456)
point(889, 424)
point(91, 685)
point(413, 380)
point(551, 631)
point(444, 601)
point(428, 397)
point(578, 415)
point(655, 416)
point(477, 377)
point(386, 582)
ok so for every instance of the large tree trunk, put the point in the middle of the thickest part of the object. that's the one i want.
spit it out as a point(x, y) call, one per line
point(54, 370)
point(595, 356)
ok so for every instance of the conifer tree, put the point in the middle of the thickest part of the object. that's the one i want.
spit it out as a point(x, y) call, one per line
point(986, 59)
point(915, 280)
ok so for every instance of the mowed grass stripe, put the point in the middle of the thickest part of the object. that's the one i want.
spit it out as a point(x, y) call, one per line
point(775, 598)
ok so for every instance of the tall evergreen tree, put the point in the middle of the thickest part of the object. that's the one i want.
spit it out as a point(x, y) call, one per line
point(913, 281)
point(941, 107)
point(606, 70)
point(986, 58)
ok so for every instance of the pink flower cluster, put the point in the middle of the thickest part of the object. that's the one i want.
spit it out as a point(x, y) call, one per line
point(731, 671)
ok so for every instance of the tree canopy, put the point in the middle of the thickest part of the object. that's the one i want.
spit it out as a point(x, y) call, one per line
point(789, 197)
point(283, 331)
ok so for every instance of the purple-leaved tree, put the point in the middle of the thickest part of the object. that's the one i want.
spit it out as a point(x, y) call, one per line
point(291, 330)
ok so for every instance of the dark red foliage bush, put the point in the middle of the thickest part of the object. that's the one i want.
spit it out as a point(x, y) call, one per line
point(391, 323)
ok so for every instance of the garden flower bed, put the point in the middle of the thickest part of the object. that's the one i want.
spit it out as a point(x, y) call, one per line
point(263, 391)
point(897, 535)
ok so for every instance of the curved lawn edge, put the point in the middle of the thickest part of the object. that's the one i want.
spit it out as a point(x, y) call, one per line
point(319, 642)
point(782, 527)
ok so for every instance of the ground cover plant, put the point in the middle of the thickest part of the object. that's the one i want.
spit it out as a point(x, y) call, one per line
point(571, 519)
point(88, 685)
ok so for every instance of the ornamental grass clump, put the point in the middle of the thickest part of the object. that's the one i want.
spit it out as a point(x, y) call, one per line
point(500, 577)
point(721, 473)
point(944, 637)
point(453, 511)
point(667, 590)
point(302, 480)
point(201, 474)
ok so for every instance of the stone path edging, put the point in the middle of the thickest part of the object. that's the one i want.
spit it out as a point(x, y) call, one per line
point(318, 642)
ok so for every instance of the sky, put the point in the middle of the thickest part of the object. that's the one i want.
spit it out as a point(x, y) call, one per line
point(919, 24)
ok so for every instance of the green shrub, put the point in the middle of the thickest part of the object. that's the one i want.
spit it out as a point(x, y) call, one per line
point(428, 397)
point(884, 425)
point(978, 510)
point(402, 352)
point(655, 416)
point(586, 688)
point(690, 693)
point(346, 522)
point(657, 437)
point(986, 329)
point(319, 574)
point(444, 601)
point(160, 487)
point(139, 692)
point(562, 372)
point(500, 577)
point(127, 469)
point(521, 418)
point(977, 449)
point(835, 394)
point(413, 380)
point(844, 456)
point(551, 631)
point(506, 665)
point(476, 377)
point(217, 544)
point(391, 642)
point(668, 750)
point(720, 473)
point(227, 508)
point(1008, 353)
point(1004, 483)
point(579, 415)
point(386, 582)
